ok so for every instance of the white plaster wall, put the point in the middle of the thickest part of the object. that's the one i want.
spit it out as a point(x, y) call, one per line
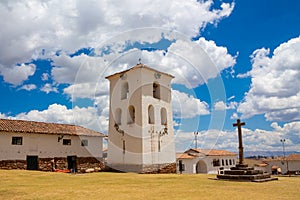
point(141, 147)
point(191, 164)
point(293, 166)
point(47, 146)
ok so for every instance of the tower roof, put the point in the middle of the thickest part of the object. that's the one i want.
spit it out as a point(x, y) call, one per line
point(138, 66)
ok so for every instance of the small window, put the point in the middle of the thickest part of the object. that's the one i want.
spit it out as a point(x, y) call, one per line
point(151, 114)
point(84, 143)
point(216, 162)
point(131, 115)
point(66, 141)
point(124, 148)
point(230, 162)
point(223, 162)
point(125, 90)
point(17, 141)
point(163, 116)
point(156, 90)
point(118, 115)
point(226, 162)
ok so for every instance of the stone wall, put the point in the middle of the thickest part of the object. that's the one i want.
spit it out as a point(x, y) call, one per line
point(84, 164)
point(169, 168)
point(144, 169)
point(13, 164)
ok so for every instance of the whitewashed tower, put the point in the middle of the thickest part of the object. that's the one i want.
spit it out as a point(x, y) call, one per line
point(140, 135)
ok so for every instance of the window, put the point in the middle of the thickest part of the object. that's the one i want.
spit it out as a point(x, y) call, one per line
point(216, 162)
point(118, 115)
point(156, 90)
point(226, 162)
point(233, 162)
point(124, 90)
point(131, 115)
point(151, 114)
point(163, 116)
point(66, 141)
point(222, 162)
point(124, 148)
point(230, 162)
point(84, 143)
point(17, 141)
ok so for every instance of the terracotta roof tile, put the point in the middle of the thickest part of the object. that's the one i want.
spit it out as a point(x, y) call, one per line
point(293, 157)
point(214, 152)
point(22, 126)
point(184, 156)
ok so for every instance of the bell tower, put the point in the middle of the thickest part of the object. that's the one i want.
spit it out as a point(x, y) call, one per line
point(140, 135)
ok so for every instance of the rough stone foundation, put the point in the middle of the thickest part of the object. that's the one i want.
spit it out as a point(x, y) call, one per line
point(144, 169)
point(84, 164)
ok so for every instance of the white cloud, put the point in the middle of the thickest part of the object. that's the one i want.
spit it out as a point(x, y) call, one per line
point(186, 60)
point(186, 106)
point(275, 83)
point(70, 25)
point(17, 74)
point(87, 117)
point(49, 88)
point(220, 105)
point(28, 87)
point(253, 140)
point(45, 77)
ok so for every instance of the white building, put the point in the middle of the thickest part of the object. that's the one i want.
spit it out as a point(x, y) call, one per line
point(206, 161)
point(43, 146)
point(140, 136)
point(289, 164)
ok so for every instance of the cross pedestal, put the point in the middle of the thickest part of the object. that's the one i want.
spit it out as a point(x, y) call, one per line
point(241, 172)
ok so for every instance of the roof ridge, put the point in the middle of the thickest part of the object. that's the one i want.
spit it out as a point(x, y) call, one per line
point(17, 125)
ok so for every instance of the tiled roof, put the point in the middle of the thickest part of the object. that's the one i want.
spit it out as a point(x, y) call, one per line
point(293, 157)
point(136, 67)
point(214, 152)
point(184, 156)
point(261, 165)
point(21, 126)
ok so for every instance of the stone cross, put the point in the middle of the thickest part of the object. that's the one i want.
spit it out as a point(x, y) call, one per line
point(239, 124)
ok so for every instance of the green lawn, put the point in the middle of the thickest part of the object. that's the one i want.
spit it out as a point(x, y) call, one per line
point(17, 184)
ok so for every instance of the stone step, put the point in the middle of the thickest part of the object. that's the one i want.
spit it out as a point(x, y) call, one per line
point(265, 180)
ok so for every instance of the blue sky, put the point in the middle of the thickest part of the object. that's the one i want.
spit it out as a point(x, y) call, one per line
point(231, 59)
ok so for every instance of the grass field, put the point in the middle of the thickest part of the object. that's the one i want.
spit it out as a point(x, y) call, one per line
point(15, 184)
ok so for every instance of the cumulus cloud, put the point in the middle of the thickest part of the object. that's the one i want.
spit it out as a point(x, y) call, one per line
point(190, 63)
point(70, 25)
point(17, 74)
point(220, 105)
point(56, 113)
point(49, 88)
point(275, 90)
point(28, 87)
point(253, 140)
point(186, 106)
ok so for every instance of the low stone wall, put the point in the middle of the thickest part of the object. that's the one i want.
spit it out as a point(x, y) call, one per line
point(144, 169)
point(169, 168)
point(13, 164)
point(84, 164)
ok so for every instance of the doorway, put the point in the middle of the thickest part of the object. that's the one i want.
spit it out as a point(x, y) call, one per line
point(72, 163)
point(201, 167)
point(32, 163)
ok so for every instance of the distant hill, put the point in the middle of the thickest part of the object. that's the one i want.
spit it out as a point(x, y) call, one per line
point(267, 153)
